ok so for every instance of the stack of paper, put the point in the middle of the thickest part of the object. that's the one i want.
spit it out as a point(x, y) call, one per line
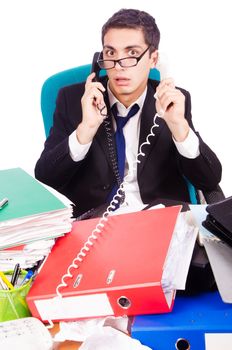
point(27, 255)
point(33, 213)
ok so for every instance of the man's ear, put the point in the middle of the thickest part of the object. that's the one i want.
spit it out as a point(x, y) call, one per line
point(154, 58)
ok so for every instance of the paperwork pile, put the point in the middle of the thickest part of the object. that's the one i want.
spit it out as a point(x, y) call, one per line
point(27, 255)
point(33, 213)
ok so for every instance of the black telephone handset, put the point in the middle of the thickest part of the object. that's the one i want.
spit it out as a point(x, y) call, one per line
point(95, 67)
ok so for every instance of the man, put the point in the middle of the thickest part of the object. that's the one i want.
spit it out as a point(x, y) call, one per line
point(81, 155)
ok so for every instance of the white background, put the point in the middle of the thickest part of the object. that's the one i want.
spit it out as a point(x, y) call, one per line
point(40, 38)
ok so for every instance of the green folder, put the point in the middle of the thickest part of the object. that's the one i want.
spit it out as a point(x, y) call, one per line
point(26, 195)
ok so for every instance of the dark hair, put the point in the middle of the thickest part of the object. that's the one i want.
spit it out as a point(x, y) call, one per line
point(134, 19)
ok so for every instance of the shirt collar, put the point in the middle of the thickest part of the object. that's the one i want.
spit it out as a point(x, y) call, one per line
point(122, 110)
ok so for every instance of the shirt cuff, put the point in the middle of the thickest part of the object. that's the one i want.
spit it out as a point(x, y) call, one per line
point(76, 150)
point(189, 148)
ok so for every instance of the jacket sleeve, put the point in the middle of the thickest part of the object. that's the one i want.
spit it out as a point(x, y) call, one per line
point(204, 171)
point(55, 167)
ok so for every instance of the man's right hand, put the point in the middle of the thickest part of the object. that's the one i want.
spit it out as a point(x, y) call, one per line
point(92, 103)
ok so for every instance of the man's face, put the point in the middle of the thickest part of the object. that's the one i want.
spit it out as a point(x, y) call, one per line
point(127, 84)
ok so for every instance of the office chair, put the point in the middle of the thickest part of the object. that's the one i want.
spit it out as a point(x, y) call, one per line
point(79, 74)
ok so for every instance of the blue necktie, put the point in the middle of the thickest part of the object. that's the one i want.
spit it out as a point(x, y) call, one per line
point(120, 141)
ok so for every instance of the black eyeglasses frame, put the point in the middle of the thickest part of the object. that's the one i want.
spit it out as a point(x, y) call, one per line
point(121, 60)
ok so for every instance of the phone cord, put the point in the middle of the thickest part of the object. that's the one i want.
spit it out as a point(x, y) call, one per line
point(112, 154)
point(101, 223)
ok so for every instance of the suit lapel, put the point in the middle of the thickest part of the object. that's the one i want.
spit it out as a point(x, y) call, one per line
point(147, 118)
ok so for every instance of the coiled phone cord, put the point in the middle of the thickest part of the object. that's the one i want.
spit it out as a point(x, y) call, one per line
point(101, 223)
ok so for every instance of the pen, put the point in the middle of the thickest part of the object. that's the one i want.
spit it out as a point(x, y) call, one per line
point(15, 274)
point(5, 280)
point(27, 277)
point(3, 202)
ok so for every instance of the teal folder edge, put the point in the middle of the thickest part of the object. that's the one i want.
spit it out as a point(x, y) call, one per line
point(26, 195)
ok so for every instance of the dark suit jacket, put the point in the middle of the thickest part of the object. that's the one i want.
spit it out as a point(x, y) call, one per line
point(88, 183)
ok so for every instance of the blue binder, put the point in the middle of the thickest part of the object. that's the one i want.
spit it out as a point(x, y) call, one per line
point(190, 319)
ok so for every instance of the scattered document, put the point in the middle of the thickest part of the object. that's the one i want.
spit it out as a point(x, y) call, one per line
point(82, 329)
point(216, 341)
point(102, 333)
point(180, 253)
point(108, 338)
point(27, 333)
point(219, 254)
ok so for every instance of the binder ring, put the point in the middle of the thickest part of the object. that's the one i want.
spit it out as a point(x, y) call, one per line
point(182, 344)
point(124, 302)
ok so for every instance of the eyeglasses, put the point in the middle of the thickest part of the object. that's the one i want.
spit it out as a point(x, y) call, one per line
point(124, 62)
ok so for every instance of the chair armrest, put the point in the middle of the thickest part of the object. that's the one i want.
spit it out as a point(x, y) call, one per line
point(208, 197)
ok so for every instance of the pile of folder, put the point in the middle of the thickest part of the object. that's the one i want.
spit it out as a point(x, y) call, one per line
point(132, 266)
point(32, 213)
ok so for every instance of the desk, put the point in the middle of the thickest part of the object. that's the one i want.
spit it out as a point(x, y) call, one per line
point(68, 344)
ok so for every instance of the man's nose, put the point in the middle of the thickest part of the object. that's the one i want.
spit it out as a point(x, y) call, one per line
point(118, 66)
